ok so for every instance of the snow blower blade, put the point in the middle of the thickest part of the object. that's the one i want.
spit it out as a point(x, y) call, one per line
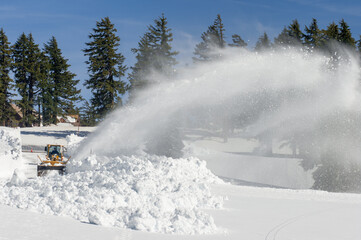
point(54, 160)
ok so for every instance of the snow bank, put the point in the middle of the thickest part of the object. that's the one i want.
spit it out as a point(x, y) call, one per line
point(10, 151)
point(149, 193)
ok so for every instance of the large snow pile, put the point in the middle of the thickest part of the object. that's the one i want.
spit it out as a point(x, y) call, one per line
point(10, 151)
point(73, 142)
point(148, 193)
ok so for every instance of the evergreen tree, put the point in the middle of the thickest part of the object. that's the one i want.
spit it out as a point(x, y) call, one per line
point(6, 83)
point(154, 53)
point(332, 32)
point(290, 36)
point(162, 56)
point(313, 35)
point(331, 35)
point(45, 92)
point(238, 41)
point(86, 115)
point(263, 43)
point(20, 72)
point(220, 31)
point(345, 35)
point(283, 38)
point(359, 45)
point(27, 65)
point(63, 85)
point(295, 33)
point(105, 68)
point(212, 40)
point(139, 77)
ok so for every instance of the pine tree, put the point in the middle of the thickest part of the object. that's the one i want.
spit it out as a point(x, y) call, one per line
point(238, 41)
point(154, 53)
point(345, 35)
point(6, 83)
point(313, 35)
point(263, 43)
point(64, 92)
point(45, 92)
point(162, 56)
point(212, 40)
point(20, 73)
point(332, 32)
point(359, 45)
point(86, 115)
point(295, 33)
point(290, 36)
point(139, 77)
point(330, 36)
point(284, 38)
point(218, 23)
point(27, 65)
point(105, 68)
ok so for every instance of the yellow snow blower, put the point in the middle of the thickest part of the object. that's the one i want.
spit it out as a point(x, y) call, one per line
point(54, 160)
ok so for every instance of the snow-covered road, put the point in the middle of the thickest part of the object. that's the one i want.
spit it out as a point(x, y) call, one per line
point(30, 162)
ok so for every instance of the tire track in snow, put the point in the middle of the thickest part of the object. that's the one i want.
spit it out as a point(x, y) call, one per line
point(272, 234)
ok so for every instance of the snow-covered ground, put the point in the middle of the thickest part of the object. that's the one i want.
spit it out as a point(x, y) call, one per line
point(235, 159)
point(40, 136)
point(248, 212)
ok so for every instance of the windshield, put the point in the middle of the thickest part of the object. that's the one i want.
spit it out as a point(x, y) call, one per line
point(54, 150)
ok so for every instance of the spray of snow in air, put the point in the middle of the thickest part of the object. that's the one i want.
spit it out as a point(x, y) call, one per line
point(308, 100)
point(305, 99)
point(284, 92)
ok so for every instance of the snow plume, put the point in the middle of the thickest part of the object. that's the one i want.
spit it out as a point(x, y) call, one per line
point(303, 98)
point(308, 100)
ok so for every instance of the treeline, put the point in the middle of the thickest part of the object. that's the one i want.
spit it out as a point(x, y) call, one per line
point(312, 38)
point(47, 89)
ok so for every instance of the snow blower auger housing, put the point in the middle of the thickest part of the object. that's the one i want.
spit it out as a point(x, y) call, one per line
point(54, 160)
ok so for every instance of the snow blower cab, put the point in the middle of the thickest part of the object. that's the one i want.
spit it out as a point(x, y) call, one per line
point(54, 160)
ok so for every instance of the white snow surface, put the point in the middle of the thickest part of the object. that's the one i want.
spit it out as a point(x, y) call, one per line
point(10, 151)
point(249, 212)
point(281, 172)
point(54, 134)
point(73, 142)
point(149, 193)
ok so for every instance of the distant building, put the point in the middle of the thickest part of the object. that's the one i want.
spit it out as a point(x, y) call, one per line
point(18, 117)
point(72, 118)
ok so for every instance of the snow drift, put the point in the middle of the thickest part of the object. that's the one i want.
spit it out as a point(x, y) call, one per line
point(10, 151)
point(148, 193)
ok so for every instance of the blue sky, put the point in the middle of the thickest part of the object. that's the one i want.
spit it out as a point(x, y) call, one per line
point(71, 21)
